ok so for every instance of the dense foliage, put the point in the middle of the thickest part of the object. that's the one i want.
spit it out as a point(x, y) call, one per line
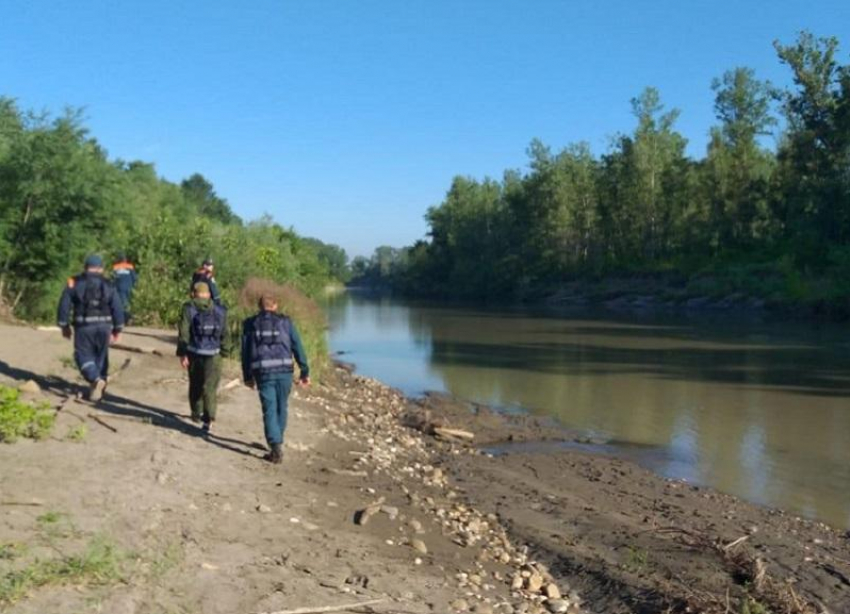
point(61, 197)
point(773, 220)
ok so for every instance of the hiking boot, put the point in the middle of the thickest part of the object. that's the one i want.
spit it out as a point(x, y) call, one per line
point(206, 427)
point(96, 390)
point(276, 455)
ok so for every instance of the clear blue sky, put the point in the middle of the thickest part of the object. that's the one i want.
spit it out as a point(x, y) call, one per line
point(348, 118)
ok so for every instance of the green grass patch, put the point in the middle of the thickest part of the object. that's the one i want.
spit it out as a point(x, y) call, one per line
point(21, 419)
point(77, 433)
point(11, 551)
point(98, 564)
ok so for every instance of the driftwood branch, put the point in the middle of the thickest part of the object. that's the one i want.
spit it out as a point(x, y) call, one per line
point(137, 350)
point(102, 423)
point(447, 433)
point(329, 608)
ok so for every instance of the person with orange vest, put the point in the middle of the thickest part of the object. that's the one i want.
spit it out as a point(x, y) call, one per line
point(124, 277)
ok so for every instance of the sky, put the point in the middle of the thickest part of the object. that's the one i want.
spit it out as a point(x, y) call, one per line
point(347, 119)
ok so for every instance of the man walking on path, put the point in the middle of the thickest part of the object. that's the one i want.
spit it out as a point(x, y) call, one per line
point(202, 341)
point(124, 277)
point(271, 346)
point(91, 311)
point(205, 275)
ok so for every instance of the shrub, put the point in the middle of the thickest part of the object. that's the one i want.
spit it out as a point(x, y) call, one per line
point(21, 419)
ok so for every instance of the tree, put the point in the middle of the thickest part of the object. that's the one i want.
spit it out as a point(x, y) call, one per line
point(737, 170)
point(197, 190)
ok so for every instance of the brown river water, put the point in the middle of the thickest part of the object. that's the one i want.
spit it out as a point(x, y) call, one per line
point(756, 409)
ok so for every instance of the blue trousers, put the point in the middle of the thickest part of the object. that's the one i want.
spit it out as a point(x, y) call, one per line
point(274, 396)
point(91, 350)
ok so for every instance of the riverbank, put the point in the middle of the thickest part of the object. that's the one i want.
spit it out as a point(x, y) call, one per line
point(374, 502)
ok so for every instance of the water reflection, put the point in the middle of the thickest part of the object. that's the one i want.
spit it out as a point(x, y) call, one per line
point(754, 409)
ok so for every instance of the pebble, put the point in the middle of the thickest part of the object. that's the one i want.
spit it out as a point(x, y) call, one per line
point(535, 582)
point(552, 592)
point(460, 605)
point(263, 509)
point(419, 546)
point(558, 606)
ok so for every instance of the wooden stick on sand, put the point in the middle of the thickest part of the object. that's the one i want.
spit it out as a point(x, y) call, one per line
point(329, 608)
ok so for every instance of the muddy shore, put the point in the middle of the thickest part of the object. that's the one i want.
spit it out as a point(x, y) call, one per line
point(380, 498)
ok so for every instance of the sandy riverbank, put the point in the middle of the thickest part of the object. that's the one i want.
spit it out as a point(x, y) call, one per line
point(204, 525)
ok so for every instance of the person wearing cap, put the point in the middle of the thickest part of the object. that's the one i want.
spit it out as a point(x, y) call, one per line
point(124, 277)
point(205, 274)
point(271, 346)
point(90, 311)
point(202, 340)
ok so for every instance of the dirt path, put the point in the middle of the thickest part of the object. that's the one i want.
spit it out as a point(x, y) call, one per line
point(363, 508)
point(224, 531)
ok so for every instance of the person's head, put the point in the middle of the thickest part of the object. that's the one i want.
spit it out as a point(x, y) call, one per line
point(267, 303)
point(93, 264)
point(121, 257)
point(208, 265)
point(201, 290)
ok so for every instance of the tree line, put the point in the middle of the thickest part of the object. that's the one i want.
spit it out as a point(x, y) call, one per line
point(62, 197)
point(768, 219)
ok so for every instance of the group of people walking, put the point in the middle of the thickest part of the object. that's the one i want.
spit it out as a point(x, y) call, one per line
point(94, 310)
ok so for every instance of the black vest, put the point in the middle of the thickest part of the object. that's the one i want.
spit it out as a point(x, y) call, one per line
point(205, 330)
point(92, 300)
point(271, 344)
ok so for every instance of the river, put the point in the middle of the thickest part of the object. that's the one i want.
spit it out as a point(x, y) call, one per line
point(756, 409)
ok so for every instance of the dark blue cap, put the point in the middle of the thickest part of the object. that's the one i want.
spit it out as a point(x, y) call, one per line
point(93, 261)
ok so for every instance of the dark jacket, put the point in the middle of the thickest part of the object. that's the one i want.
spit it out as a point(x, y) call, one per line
point(124, 277)
point(184, 328)
point(90, 300)
point(250, 350)
point(203, 276)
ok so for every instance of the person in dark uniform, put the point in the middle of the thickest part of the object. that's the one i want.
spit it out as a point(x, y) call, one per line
point(205, 275)
point(124, 277)
point(271, 346)
point(90, 311)
point(202, 340)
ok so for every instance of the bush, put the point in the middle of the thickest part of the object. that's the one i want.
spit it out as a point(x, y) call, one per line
point(307, 315)
point(21, 419)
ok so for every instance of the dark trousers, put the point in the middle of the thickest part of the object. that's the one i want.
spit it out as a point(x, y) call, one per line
point(274, 396)
point(125, 303)
point(91, 351)
point(204, 375)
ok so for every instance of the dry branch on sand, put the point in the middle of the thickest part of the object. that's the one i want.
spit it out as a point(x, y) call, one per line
point(329, 608)
point(748, 569)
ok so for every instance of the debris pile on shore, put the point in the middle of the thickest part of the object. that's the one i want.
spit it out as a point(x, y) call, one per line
point(500, 576)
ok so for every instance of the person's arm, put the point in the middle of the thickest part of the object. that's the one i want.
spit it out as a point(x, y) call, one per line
point(214, 293)
point(183, 332)
point(247, 374)
point(298, 352)
point(226, 341)
point(117, 310)
point(63, 313)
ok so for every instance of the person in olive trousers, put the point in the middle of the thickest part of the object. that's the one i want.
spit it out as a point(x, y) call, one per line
point(202, 341)
point(271, 346)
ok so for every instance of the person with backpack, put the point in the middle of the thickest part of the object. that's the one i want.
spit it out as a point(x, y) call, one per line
point(91, 312)
point(202, 341)
point(124, 277)
point(271, 346)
